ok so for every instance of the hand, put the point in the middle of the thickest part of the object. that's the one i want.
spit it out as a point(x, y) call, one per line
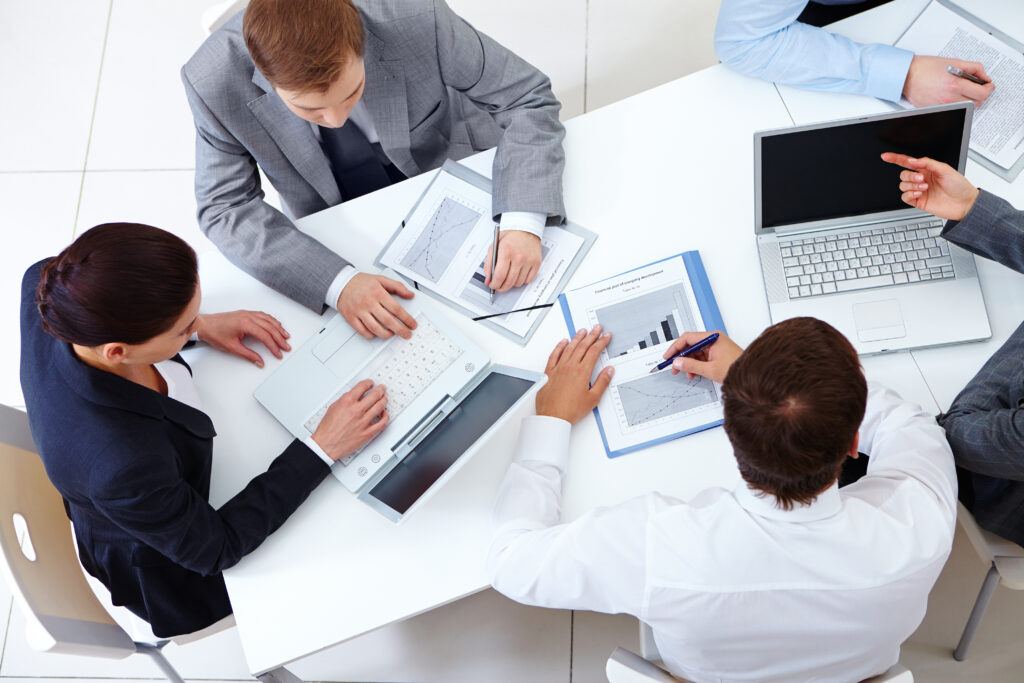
point(713, 362)
point(568, 394)
point(353, 420)
point(933, 186)
point(226, 331)
point(928, 82)
point(367, 305)
point(519, 258)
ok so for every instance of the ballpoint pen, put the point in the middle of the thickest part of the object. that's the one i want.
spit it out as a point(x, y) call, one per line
point(699, 346)
point(960, 73)
point(494, 257)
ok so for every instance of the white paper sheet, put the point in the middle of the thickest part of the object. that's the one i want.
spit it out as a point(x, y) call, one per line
point(998, 128)
point(645, 310)
point(444, 243)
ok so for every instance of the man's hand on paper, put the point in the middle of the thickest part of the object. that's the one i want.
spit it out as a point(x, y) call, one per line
point(929, 83)
point(519, 257)
point(568, 394)
point(713, 362)
point(369, 307)
point(933, 186)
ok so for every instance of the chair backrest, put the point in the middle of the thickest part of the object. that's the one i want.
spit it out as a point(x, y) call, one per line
point(628, 667)
point(62, 613)
point(218, 15)
point(987, 544)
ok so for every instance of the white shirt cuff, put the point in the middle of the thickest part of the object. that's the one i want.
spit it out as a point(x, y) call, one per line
point(315, 447)
point(544, 439)
point(340, 280)
point(527, 221)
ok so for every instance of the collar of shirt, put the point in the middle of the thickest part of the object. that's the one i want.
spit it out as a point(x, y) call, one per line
point(825, 505)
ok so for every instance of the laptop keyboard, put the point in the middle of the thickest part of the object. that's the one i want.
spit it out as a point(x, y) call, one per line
point(877, 257)
point(405, 367)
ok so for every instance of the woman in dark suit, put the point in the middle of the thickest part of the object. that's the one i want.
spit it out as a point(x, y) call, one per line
point(120, 429)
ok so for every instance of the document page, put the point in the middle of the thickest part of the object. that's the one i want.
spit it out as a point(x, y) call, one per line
point(998, 129)
point(443, 244)
point(645, 310)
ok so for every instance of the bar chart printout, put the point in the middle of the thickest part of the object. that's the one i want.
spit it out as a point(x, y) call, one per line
point(634, 328)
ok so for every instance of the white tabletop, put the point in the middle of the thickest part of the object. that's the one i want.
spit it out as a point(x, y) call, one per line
point(662, 172)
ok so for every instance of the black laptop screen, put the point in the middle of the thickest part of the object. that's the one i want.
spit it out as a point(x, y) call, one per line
point(484, 406)
point(835, 172)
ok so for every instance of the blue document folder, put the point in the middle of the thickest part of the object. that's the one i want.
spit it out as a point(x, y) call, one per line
point(712, 318)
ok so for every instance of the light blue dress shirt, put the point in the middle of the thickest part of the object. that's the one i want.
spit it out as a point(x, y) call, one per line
point(763, 39)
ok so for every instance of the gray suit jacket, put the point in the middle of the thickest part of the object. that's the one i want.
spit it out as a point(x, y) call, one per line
point(435, 87)
point(985, 424)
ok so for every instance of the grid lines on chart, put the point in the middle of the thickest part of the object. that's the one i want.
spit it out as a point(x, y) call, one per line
point(436, 247)
point(662, 394)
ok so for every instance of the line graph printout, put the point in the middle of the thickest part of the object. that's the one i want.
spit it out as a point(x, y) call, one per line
point(645, 310)
point(444, 241)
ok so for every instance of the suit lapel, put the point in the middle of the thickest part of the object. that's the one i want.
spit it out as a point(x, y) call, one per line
point(294, 137)
point(387, 102)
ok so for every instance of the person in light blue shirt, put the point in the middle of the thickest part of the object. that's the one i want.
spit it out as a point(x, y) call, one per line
point(764, 39)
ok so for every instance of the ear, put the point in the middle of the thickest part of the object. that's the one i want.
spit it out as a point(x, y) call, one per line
point(114, 353)
point(854, 453)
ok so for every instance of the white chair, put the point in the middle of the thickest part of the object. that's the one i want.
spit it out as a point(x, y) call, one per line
point(627, 667)
point(62, 613)
point(1005, 561)
point(218, 15)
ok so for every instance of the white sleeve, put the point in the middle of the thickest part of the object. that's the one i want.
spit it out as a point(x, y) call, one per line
point(596, 562)
point(315, 447)
point(526, 221)
point(340, 280)
point(904, 442)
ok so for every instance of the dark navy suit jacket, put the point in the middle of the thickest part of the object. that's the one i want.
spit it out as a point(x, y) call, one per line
point(134, 467)
point(985, 423)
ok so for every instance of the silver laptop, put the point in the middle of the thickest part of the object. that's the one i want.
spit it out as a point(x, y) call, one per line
point(837, 243)
point(444, 398)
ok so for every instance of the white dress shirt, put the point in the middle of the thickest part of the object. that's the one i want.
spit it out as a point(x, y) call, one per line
point(182, 387)
point(526, 221)
point(735, 588)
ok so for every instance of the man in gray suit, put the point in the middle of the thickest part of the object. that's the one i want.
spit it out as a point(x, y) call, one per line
point(336, 98)
point(985, 424)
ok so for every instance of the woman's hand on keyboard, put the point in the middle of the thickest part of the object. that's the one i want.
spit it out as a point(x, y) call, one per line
point(568, 394)
point(353, 420)
point(933, 186)
point(369, 307)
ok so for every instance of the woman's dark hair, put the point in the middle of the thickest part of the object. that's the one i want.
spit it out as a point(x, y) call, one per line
point(118, 282)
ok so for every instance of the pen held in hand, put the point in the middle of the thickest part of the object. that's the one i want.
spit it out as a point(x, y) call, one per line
point(699, 346)
point(494, 257)
point(960, 73)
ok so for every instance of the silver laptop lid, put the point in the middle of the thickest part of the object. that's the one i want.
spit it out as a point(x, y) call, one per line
point(831, 174)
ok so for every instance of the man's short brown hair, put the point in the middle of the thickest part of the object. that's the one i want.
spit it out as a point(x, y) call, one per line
point(302, 45)
point(793, 404)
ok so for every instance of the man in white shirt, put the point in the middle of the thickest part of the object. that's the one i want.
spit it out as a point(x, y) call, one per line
point(785, 578)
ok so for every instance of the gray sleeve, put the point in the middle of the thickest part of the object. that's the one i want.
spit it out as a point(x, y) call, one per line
point(529, 160)
point(992, 229)
point(985, 424)
point(253, 235)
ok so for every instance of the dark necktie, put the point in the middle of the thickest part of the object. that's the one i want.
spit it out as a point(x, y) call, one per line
point(356, 166)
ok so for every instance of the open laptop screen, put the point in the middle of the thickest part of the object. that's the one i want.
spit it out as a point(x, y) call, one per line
point(836, 171)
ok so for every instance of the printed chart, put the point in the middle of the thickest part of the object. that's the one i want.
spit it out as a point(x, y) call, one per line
point(647, 320)
point(478, 294)
point(436, 247)
point(653, 397)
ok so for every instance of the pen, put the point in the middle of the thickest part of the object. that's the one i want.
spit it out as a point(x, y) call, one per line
point(699, 346)
point(960, 73)
point(494, 257)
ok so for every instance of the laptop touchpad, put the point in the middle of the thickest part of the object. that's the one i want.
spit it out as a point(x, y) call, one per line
point(878, 320)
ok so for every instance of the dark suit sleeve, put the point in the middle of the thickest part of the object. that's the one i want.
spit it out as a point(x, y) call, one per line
point(529, 161)
point(252, 234)
point(985, 424)
point(150, 500)
point(992, 229)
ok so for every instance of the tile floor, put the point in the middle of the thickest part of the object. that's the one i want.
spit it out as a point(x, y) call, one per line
point(95, 128)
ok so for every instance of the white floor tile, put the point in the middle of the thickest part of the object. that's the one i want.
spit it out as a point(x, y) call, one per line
point(165, 199)
point(595, 636)
point(484, 637)
point(49, 64)
point(549, 35)
point(634, 46)
point(38, 221)
point(142, 116)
